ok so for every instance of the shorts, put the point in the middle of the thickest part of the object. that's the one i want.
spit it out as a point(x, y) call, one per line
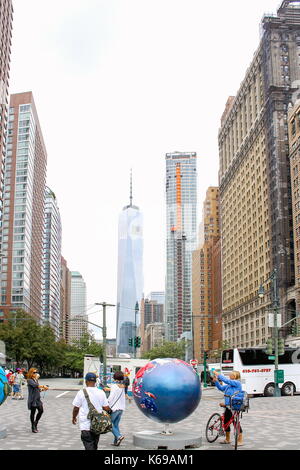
point(16, 388)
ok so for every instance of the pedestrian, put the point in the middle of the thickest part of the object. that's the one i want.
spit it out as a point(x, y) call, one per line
point(18, 383)
point(98, 398)
point(116, 402)
point(126, 384)
point(11, 380)
point(34, 398)
point(233, 385)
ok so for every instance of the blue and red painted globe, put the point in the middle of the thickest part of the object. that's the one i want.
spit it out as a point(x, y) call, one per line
point(2, 382)
point(167, 390)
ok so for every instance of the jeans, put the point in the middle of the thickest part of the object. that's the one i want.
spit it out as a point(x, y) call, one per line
point(90, 440)
point(115, 419)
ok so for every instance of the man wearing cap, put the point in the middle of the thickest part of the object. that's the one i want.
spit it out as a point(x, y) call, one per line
point(98, 398)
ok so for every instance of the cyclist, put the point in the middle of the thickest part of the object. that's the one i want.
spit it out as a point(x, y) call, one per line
point(233, 385)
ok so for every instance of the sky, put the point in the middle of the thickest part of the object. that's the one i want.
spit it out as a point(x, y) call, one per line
point(117, 85)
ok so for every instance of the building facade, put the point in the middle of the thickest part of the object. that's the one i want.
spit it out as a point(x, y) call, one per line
point(23, 211)
point(154, 336)
point(294, 153)
point(151, 312)
point(65, 301)
point(78, 317)
point(52, 263)
point(203, 275)
point(130, 276)
point(6, 18)
point(254, 181)
point(181, 240)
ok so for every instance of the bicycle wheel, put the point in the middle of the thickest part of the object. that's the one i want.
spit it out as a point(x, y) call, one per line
point(213, 427)
point(237, 428)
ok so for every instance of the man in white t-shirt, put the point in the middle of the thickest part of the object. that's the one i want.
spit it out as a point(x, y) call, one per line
point(98, 398)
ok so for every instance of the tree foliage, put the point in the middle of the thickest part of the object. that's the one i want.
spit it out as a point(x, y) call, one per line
point(168, 349)
point(29, 342)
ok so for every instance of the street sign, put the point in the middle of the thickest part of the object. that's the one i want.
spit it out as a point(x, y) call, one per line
point(271, 320)
point(279, 376)
point(193, 362)
point(271, 358)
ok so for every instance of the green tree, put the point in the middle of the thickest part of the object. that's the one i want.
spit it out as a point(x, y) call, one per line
point(168, 349)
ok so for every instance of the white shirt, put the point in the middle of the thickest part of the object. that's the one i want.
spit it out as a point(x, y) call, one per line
point(97, 398)
point(115, 392)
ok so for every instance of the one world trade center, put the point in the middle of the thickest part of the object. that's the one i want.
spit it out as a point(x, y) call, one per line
point(130, 275)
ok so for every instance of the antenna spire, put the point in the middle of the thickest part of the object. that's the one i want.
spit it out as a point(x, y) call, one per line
point(131, 187)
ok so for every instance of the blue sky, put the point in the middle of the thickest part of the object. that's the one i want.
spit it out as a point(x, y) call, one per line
point(118, 84)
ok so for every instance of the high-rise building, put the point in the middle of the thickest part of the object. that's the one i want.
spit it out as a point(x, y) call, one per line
point(78, 317)
point(130, 275)
point(254, 181)
point(294, 146)
point(203, 275)
point(65, 301)
point(23, 213)
point(181, 233)
point(152, 312)
point(52, 262)
point(6, 17)
point(159, 296)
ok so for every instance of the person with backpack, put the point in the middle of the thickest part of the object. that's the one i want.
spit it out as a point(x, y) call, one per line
point(82, 404)
point(232, 385)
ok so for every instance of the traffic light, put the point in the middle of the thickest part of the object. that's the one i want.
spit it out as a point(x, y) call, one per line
point(280, 346)
point(270, 347)
point(139, 341)
point(130, 341)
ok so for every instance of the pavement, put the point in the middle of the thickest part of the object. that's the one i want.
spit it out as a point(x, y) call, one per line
point(271, 424)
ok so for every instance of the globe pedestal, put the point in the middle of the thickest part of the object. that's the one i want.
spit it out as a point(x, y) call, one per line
point(3, 431)
point(177, 440)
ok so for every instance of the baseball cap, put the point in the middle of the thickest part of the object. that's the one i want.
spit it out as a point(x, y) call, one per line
point(90, 377)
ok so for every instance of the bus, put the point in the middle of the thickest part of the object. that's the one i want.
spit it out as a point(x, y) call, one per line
point(257, 370)
point(128, 365)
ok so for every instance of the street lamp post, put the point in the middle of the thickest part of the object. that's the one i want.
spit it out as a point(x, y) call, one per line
point(104, 305)
point(261, 293)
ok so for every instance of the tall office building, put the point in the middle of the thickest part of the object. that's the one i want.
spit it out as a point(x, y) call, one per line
point(78, 325)
point(6, 17)
point(65, 301)
point(181, 233)
point(254, 181)
point(203, 275)
point(23, 213)
point(130, 275)
point(52, 262)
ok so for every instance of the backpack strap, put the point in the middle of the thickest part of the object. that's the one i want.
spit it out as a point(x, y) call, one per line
point(111, 407)
point(90, 405)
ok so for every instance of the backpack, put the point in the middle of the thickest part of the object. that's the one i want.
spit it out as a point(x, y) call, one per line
point(240, 402)
point(100, 422)
point(6, 390)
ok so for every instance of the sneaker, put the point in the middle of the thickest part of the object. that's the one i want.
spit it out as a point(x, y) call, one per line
point(120, 440)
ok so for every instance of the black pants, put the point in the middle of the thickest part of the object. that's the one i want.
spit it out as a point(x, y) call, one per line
point(227, 417)
point(90, 440)
point(40, 411)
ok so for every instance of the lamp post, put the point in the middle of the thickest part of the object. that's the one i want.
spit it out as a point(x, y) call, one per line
point(104, 305)
point(261, 293)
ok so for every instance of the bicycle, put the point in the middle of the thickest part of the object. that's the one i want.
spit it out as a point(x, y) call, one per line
point(216, 426)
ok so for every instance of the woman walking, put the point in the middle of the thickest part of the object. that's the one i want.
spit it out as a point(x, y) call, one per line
point(34, 398)
point(116, 402)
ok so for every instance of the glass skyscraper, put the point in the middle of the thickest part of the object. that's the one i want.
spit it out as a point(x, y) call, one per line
point(181, 200)
point(130, 275)
point(52, 262)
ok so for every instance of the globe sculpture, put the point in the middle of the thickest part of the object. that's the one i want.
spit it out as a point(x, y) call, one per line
point(3, 380)
point(167, 390)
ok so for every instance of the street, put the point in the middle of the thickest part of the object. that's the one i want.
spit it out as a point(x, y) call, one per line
point(272, 423)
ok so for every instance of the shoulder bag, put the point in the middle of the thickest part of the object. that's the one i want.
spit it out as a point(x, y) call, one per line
point(100, 422)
